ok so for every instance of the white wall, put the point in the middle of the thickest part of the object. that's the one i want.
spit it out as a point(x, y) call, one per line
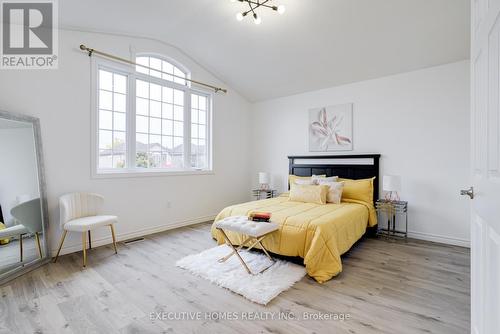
point(18, 170)
point(62, 100)
point(418, 121)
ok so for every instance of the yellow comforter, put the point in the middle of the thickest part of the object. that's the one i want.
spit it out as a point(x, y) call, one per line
point(319, 234)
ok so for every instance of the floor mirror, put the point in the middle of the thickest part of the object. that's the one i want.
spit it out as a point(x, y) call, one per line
point(23, 203)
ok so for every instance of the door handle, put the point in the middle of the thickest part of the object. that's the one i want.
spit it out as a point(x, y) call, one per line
point(468, 192)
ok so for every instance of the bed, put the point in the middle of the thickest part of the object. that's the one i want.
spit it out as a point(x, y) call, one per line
point(319, 234)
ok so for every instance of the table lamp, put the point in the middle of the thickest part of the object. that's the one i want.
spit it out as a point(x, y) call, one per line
point(392, 185)
point(264, 180)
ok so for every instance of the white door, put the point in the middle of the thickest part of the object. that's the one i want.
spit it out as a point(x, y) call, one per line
point(485, 140)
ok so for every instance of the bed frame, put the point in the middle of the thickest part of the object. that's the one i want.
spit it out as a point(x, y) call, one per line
point(360, 166)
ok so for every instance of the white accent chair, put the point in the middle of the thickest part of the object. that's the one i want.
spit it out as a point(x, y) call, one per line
point(80, 212)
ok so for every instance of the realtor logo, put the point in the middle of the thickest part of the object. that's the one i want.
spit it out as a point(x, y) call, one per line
point(29, 34)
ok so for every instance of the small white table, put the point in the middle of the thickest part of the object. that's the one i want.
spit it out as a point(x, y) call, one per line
point(255, 232)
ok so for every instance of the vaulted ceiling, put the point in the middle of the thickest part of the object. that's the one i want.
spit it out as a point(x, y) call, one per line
point(315, 44)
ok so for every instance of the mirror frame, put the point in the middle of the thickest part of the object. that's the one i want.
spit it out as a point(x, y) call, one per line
point(35, 122)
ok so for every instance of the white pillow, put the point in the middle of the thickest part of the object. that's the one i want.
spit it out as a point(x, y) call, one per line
point(316, 178)
point(304, 181)
point(334, 194)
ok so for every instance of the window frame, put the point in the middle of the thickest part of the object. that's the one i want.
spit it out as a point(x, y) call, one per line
point(132, 75)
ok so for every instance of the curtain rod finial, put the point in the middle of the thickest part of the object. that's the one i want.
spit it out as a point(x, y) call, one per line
point(83, 47)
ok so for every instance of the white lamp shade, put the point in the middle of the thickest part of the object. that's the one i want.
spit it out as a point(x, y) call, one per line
point(392, 183)
point(263, 178)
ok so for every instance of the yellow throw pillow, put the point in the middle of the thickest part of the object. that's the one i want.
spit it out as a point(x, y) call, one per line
point(6, 240)
point(292, 178)
point(308, 193)
point(361, 190)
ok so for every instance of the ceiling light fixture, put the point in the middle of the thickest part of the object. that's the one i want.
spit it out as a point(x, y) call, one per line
point(254, 5)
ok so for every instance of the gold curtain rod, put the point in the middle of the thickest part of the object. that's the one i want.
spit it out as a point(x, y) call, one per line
point(110, 56)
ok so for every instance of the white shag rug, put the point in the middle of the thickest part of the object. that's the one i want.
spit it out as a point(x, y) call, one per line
point(260, 288)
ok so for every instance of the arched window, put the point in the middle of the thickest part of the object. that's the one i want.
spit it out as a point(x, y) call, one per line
point(160, 68)
point(155, 108)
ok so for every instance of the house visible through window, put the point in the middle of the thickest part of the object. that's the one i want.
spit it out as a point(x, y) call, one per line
point(155, 108)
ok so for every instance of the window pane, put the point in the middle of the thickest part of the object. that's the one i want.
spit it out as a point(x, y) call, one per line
point(105, 100)
point(156, 64)
point(118, 159)
point(142, 88)
point(167, 142)
point(167, 128)
point(142, 106)
point(201, 132)
point(179, 73)
point(202, 117)
point(142, 160)
point(194, 116)
point(118, 141)
point(155, 143)
point(105, 119)
point(142, 61)
point(178, 129)
point(155, 109)
point(120, 102)
point(168, 95)
point(155, 125)
point(167, 111)
point(194, 131)
point(141, 142)
point(194, 101)
point(105, 139)
point(155, 92)
point(167, 67)
point(178, 113)
point(105, 159)
point(119, 121)
point(178, 145)
point(141, 124)
point(203, 103)
point(120, 83)
point(178, 97)
point(112, 119)
point(105, 80)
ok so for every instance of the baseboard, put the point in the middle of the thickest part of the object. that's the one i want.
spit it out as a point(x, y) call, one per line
point(135, 234)
point(439, 238)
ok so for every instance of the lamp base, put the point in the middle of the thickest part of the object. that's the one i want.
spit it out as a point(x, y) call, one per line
point(392, 196)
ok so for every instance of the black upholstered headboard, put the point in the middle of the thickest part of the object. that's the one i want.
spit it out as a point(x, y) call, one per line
point(361, 166)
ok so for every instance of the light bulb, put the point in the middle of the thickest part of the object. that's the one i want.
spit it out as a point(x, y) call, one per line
point(257, 20)
point(281, 9)
point(239, 16)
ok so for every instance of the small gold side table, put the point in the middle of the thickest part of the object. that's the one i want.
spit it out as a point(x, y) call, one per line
point(263, 193)
point(392, 212)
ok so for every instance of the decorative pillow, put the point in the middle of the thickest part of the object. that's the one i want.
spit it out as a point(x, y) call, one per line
point(308, 193)
point(334, 192)
point(303, 181)
point(6, 240)
point(361, 190)
point(293, 178)
point(315, 179)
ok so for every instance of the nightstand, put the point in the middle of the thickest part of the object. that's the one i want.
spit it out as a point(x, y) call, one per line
point(390, 214)
point(263, 193)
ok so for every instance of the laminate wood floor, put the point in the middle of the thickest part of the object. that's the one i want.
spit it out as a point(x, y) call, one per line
point(385, 287)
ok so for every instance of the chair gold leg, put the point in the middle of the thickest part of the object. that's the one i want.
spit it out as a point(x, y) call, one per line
point(60, 245)
point(84, 248)
point(113, 236)
point(37, 238)
point(20, 248)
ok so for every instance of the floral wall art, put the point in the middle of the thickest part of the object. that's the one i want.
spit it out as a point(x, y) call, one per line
point(330, 128)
